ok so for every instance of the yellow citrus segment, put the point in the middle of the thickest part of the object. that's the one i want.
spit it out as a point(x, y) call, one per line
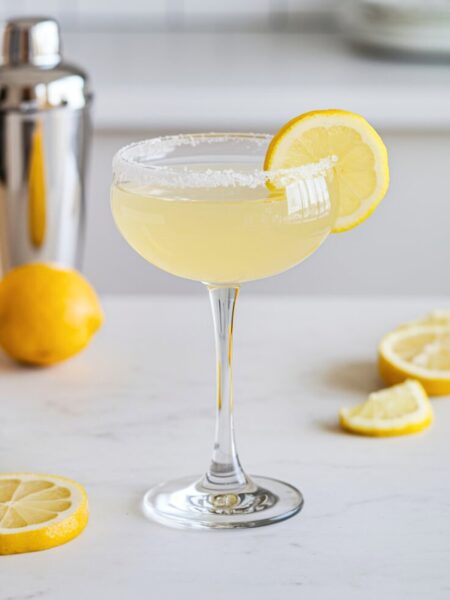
point(38, 512)
point(361, 171)
point(398, 410)
point(420, 351)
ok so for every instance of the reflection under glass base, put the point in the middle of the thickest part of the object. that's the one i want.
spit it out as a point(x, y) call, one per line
point(190, 503)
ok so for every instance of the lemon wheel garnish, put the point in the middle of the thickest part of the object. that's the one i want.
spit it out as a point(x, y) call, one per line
point(399, 410)
point(361, 171)
point(39, 511)
point(420, 351)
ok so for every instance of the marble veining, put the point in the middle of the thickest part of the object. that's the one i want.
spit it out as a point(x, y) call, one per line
point(137, 408)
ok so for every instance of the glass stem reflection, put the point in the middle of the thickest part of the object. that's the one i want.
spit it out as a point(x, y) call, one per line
point(225, 471)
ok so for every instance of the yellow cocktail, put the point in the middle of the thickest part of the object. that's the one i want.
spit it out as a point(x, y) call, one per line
point(223, 234)
point(202, 207)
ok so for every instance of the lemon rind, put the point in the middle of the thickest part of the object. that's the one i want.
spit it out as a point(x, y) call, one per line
point(55, 532)
point(388, 432)
point(389, 361)
point(407, 424)
point(379, 149)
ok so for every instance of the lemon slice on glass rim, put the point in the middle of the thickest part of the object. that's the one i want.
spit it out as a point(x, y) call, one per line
point(38, 512)
point(398, 410)
point(361, 171)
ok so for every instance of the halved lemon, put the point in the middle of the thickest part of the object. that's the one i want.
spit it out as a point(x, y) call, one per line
point(420, 351)
point(39, 511)
point(398, 410)
point(361, 171)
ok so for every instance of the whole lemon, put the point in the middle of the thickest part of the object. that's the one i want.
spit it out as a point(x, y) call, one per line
point(47, 313)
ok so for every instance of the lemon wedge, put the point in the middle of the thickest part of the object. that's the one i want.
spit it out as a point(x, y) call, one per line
point(39, 511)
point(420, 351)
point(361, 171)
point(398, 410)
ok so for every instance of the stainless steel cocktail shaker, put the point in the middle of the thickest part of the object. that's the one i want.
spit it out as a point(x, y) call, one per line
point(44, 138)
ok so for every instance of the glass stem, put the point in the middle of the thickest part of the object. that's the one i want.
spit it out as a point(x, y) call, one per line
point(225, 471)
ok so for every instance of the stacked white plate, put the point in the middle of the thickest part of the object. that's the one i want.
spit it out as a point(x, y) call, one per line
point(419, 26)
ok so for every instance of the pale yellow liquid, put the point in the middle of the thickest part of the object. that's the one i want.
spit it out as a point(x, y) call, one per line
point(223, 234)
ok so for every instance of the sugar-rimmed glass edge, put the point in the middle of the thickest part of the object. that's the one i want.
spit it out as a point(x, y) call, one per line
point(127, 168)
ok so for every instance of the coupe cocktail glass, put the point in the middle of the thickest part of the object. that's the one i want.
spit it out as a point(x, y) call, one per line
point(201, 207)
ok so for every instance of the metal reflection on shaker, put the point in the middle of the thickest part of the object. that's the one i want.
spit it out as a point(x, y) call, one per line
point(44, 139)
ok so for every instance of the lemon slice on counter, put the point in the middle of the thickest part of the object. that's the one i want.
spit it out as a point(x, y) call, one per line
point(420, 351)
point(361, 171)
point(398, 410)
point(39, 511)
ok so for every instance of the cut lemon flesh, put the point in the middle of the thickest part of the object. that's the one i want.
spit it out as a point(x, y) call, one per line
point(361, 171)
point(399, 410)
point(421, 351)
point(39, 511)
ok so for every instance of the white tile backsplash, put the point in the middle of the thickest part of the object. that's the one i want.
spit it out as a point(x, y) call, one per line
point(230, 7)
point(18, 8)
point(122, 8)
point(78, 13)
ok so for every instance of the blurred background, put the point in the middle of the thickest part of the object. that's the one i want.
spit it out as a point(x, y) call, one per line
point(166, 66)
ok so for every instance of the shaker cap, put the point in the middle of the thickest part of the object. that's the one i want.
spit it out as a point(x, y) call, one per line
point(31, 41)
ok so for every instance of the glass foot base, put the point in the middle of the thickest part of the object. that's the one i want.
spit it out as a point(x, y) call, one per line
point(183, 504)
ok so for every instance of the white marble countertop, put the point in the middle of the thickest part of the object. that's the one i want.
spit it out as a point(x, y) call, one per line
point(175, 81)
point(137, 407)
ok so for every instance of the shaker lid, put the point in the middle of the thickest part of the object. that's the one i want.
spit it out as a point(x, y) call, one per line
point(31, 41)
point(33, 76)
